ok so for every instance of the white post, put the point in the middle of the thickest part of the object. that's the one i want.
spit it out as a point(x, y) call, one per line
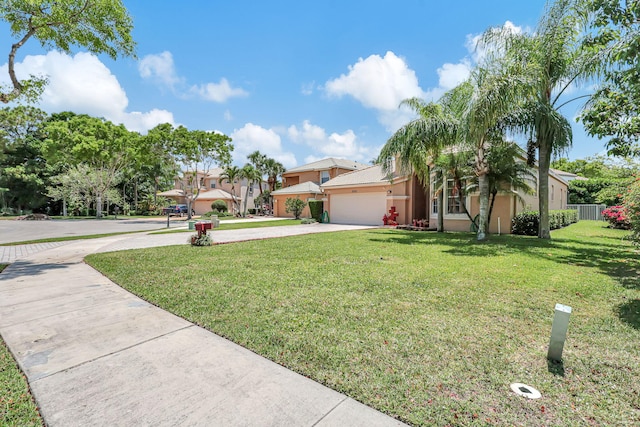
point(559, 332)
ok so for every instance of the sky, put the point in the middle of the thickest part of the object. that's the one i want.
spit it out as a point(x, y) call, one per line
point(299, 81)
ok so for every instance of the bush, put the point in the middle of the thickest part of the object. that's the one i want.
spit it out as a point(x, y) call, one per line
point(295, 206)
point(527, 223)
point(219, 206)
point(219, 214)
point(617, 217)
point(251, 211)
point(308, 221)
point(202, 240)
point(316, 207)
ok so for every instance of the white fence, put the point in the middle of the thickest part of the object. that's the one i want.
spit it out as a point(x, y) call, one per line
point(589, 212)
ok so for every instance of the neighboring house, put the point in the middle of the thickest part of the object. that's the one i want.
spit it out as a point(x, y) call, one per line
point(213, 189)
point(568, 176)
point(364, 196)
point(304, 182)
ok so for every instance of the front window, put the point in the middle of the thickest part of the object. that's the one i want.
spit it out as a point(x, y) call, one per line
point(213, 185)
point(434, 199)
point(454, 206)
point(324, 176)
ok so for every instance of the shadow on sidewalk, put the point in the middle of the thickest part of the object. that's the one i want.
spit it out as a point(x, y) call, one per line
point(29, 268)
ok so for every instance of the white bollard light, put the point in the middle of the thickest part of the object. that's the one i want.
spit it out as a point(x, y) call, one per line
point(559, 332)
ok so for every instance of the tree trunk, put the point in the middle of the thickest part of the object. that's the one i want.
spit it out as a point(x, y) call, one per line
point(98, 206)
point(544, 161)
point(64, 206)
point(483, 183)
point(441, 210)
point(246, 200)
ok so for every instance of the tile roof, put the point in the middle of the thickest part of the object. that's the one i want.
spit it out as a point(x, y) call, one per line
point(328, 163)
point(305, 187)
point(214, 194)
point(369, 175)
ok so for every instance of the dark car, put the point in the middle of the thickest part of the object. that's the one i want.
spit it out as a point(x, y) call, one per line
point(176, 210)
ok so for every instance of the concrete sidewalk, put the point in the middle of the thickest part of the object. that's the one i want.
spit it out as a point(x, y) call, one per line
point(95, 354)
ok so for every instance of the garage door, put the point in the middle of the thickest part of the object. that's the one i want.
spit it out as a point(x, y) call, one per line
point(358, 208)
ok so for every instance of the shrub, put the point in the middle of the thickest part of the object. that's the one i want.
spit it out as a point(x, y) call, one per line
point(617, 217)
point(202, 240)
point(527, 223)
point(251, 211)
point(316, 207)
point(218, 214)
point(308, 221)
point(294, 206)
point(219, 206)
point(632, 204)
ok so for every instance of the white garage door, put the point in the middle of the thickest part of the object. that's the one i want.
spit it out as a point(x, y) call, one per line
point(358, 208)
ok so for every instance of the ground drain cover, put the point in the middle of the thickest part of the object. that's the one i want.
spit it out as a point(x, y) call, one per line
point(525, 390)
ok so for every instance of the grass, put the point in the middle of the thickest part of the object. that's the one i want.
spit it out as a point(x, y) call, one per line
point(17, 408)
point(428, 328)
point(240, 225)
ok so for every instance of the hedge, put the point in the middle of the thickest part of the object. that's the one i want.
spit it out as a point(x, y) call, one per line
point(526, 223)
point(316, 207)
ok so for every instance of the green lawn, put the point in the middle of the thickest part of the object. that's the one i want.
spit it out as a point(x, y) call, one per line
point(17, 408)
point(429, 328)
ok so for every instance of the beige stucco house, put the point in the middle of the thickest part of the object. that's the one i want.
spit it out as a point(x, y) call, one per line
point(304, 182)
point(213, 189)
point(364, 196)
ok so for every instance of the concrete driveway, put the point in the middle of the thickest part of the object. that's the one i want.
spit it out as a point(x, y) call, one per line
point(94, 354)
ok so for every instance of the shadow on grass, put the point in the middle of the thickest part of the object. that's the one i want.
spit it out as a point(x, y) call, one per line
point(555, 367)
point(613, 260)
point(630, 313)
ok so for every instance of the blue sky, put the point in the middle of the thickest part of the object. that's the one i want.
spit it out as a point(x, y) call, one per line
point(297, 80)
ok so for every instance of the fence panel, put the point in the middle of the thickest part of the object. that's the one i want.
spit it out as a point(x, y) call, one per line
point(589, 212)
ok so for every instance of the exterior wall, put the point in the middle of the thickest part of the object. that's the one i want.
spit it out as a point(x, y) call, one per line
point(313, 176)
point(279, 208)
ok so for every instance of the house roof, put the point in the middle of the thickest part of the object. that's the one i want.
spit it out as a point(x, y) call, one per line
point(328, 163)
point(367, 176)
point(305, 187)
point(172, 193)
point(567, 176)
point(215, 194)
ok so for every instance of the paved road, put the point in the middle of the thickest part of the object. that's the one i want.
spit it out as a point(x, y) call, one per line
point(22, 231)
point(94, 354)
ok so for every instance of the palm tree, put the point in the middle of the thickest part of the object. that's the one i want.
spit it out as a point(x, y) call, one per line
point(470, 117)
point(231, 175)
point(273, 169)
point(258, 160)
point(552, 60)
point(251, 174)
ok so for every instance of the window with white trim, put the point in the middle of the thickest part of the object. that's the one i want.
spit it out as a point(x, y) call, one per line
point(324, 177)
point(454, 206)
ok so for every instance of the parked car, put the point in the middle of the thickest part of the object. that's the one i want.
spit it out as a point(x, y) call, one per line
point(177, 210)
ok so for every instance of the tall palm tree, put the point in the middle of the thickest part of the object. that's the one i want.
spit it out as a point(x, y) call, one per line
point(231, 175)
point(552, 60)
point(470, 117)
point(252, 175)
point(273, 170)
point(258, 161)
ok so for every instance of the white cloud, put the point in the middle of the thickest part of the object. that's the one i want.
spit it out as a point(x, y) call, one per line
point(478, 51)
point(340, 145)
point(160, 67)
point(252, 137)
point(451, 75)
point(83, 84)
point(218, 92)
point(227, 115)
point(308, 88)
point(377, 82)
